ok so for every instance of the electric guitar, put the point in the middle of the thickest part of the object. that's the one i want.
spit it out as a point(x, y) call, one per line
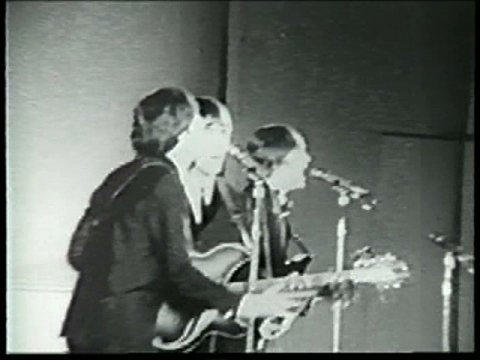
point(178, 331)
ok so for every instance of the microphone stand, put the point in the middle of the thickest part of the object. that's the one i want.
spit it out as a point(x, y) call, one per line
point(453, 256)
point(256, 236)
point(449, 266)
point(258, 195)
point(347, 193)
point(342, 233)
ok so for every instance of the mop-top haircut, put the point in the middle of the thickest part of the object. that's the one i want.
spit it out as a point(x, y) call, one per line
point(160, 118)
point(270, 144)
point(214, 111)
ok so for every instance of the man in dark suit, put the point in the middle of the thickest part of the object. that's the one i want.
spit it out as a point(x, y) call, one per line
point(130, 246)
point(279, 154)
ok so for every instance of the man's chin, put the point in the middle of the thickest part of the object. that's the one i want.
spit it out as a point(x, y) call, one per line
point(206, 172)
point(211, 170)
point(299, 186)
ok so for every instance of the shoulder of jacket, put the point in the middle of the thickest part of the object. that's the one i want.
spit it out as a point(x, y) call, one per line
point(146, 175)
point(153, 173)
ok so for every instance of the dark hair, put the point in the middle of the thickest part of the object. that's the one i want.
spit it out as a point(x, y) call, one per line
point(165, 99)
point(175, 110)
point(270, 144)
point(208, 107)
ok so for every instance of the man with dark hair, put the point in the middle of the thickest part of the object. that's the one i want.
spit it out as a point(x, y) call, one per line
point(130, 246)
point(278, 154)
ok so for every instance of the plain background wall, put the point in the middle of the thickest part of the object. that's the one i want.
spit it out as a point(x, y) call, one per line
point(373, 85)
point(75, 71)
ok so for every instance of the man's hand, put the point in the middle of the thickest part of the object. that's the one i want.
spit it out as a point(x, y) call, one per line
point(274, 302)
point(343, 291)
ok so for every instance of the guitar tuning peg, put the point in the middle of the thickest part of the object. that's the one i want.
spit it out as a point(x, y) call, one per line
point(365, 252)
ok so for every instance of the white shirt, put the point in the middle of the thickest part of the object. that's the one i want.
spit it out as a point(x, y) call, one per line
point(198, 186)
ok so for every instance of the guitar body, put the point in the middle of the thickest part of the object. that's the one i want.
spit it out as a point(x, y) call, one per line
point(177, 330)
point(180, 331)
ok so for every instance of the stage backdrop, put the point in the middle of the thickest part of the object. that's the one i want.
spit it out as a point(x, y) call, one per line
point(374, 86)
point(75, 71)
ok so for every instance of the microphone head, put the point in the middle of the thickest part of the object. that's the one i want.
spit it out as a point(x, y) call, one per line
point(249, 165)
point(234, 151)
point(317, 173)
point(445, 242)
point(345, 188)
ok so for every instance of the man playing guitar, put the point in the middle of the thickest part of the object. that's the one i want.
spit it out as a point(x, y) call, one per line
point(279, 154)
point(130, 247)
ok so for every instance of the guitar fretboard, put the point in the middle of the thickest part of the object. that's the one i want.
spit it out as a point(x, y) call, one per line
point(312, 281)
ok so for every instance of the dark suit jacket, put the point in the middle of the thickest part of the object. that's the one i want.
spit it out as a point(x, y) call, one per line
point(217, 226)
point(130, 251)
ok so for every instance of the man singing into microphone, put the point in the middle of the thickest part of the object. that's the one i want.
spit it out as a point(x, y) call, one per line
point(279, 154)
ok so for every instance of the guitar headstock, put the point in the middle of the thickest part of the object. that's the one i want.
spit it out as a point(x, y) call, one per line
point(385, 271)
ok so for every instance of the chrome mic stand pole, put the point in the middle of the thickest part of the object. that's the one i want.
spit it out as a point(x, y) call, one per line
point(343, 201)
point(256, 236)
point(258, 195)
point(453, 257)
point(449, 264)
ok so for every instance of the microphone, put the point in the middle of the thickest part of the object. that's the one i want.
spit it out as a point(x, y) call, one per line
point(249, 165)
point(241, 156)
point(451, 244)
point(446, 242)
point(345, 187)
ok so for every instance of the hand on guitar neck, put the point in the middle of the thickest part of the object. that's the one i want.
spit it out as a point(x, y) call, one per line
point(293, 297)
point(272, 298)
point(275, 301)
point(275, 326)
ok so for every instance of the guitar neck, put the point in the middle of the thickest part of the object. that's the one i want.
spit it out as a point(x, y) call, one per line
point(312, 281)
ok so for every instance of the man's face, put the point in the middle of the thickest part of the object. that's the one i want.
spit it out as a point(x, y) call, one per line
point(290, 173)
point(212, 141)
point(206, 142)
